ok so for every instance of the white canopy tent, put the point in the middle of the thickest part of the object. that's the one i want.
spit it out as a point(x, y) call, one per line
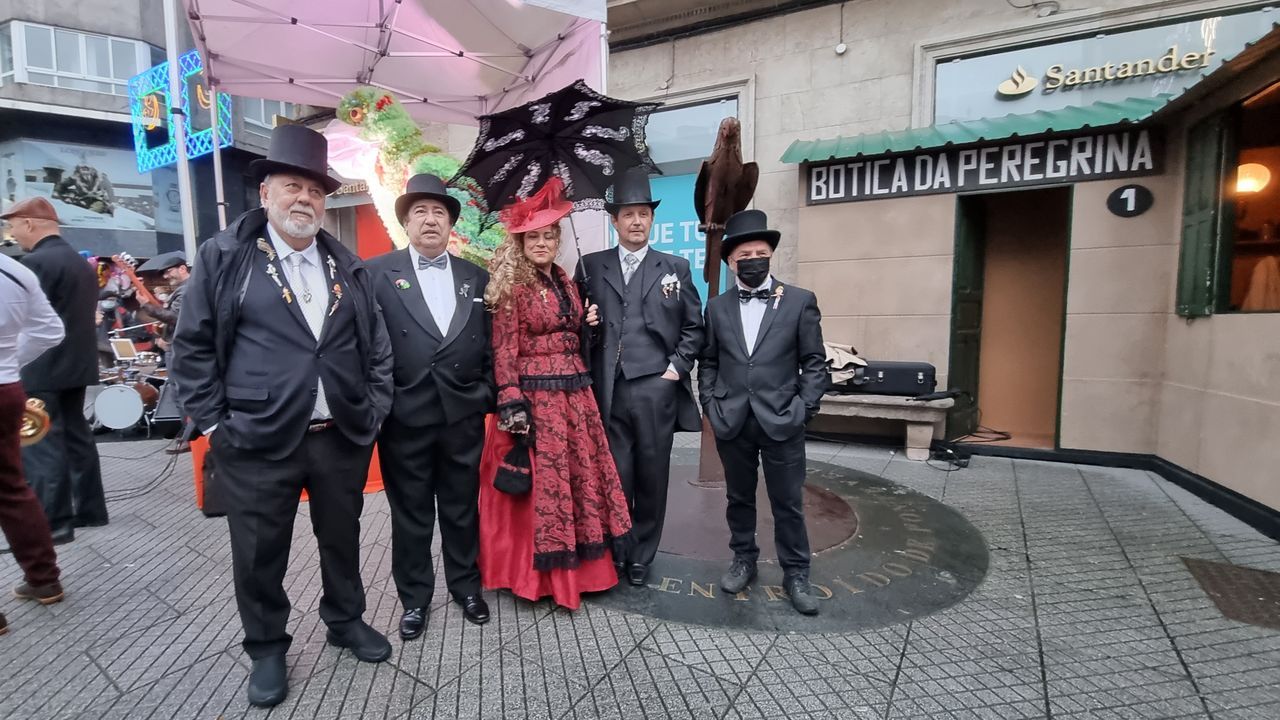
point(445, 60)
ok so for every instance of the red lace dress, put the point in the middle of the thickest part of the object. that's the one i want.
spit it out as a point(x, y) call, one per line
point(556, 539)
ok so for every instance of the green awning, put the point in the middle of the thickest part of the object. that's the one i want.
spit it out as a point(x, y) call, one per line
point(1099, 114)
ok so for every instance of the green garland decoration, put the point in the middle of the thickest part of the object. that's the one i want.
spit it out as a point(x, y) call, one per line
point(402, 152)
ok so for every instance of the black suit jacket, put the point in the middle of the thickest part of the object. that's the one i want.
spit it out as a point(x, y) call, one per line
point(72, 287)
point(255, 376)
point(442, 375)
point(781, 382)
point(673, 319)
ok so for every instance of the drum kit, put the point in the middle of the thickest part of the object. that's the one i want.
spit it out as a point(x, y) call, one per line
point(131, 389)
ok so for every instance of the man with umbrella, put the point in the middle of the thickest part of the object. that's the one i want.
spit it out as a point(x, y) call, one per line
point(282, 359)
point(650, 334)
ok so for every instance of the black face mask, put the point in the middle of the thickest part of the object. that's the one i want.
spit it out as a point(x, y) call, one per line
point(753, 271)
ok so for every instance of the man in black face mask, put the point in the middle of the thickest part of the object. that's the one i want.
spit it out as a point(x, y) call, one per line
point(761, 378)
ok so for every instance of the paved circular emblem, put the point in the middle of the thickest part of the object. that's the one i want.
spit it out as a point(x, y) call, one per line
point(883, 554)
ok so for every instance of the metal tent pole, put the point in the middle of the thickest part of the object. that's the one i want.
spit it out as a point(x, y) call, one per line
point(178, 126)
point(218, 191)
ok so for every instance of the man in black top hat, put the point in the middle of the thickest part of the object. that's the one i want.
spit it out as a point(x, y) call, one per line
point(282, 359)
point(429, 449)
point(649, 336)
point(760, 379)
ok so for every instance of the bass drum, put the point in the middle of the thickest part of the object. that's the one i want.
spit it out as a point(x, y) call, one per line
point(121, 407)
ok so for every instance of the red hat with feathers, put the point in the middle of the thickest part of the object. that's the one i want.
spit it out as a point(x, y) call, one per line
point(543, 208)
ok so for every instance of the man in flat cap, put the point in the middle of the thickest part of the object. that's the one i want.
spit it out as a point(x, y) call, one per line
point(171, 267)
point(430, 447)
point(282, 359)
point(63, 468)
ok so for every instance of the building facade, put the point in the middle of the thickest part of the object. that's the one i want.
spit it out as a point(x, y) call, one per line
point(1085, 271)
point(66, 125)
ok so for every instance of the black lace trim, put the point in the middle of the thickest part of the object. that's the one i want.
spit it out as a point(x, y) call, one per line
point(570, 559)
point(555, 382)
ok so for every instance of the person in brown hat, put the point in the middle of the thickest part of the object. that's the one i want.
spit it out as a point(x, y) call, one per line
point(63, 469)
point(282, 359)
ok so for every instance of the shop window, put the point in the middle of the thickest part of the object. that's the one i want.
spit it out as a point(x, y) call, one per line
point(58, 57)
point(1230, 259)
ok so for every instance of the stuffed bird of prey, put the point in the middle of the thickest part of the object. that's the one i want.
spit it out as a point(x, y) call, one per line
point(725, 186)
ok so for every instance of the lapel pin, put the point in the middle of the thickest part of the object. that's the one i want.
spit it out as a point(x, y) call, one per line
point(403, 284)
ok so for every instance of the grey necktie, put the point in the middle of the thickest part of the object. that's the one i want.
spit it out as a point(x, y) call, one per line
point(631, 262)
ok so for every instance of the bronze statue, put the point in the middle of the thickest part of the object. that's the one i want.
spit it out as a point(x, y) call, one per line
point(725, 186)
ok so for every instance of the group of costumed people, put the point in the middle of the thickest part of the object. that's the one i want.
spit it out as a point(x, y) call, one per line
point(533, 423)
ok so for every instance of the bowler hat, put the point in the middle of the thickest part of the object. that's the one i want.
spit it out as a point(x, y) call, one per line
point(35, 208)
point(426, 186)
point(296, 149)
point(632, 188)
point(164, 261)
point(744, 226)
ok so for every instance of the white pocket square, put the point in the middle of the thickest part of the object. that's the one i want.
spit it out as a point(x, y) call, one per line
point(669, 278)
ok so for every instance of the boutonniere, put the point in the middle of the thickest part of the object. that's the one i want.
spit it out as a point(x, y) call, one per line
point(275, 276)
point(403, 284)
point(465, 290)
point(337, 297)
point(670, 284)
point(777, 296)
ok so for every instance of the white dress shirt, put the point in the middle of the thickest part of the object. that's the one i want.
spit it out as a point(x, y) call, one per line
point(639, 255)
point(437, 289)
point(315, 277)
point(752, 314)
point(28, 324)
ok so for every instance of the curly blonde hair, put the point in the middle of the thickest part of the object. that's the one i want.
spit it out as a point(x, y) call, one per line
point(508, 268)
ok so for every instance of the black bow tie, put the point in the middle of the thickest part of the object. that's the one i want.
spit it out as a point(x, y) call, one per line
point(439, 263)
point(749, 295)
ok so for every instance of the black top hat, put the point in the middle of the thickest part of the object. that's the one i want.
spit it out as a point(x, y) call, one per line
point(297, 149)
point(632, 188)
point(426, 185)
point(744, 226)
point(164, 261)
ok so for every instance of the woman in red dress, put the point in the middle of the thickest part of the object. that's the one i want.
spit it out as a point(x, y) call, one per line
point(551, 503)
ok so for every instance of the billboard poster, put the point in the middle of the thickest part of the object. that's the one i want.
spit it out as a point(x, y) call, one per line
point(92, 188)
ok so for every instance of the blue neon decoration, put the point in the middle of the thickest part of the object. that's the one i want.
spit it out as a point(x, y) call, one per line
point(156, 80)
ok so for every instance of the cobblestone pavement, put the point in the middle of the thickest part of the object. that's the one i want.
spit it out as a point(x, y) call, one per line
point(1087, 611)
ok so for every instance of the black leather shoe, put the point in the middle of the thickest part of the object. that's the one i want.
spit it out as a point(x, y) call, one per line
point(268, 681)
point(802, 598)
point(621, 568)
point(474, 609)
point(740, 574)
point(4, 624)
point(637, 574)
point(368, 644)
point(412, 623)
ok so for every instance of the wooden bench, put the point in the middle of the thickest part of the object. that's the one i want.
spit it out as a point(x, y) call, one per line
point(922, 418)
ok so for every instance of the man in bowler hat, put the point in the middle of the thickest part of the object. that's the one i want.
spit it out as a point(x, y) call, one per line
point(63, 469)
point(282, 359)
point(760, 379)
point(429, 449)
point(649, 336)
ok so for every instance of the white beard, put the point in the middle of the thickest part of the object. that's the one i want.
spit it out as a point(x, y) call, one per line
point(295, 228)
